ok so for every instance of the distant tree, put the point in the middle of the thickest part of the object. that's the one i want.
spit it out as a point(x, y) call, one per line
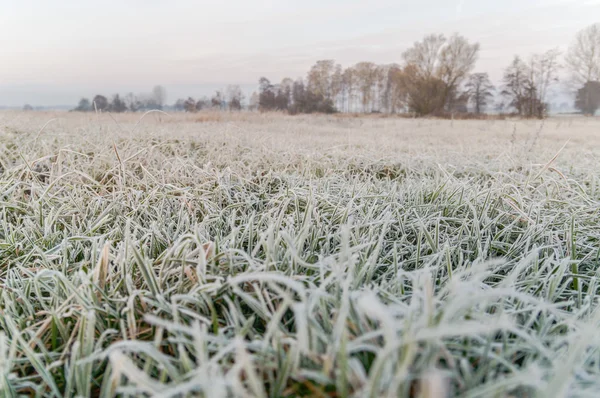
point(117, 105)
point(516, 81)
point(203, 103)
point(189, 105)
point(235, 104)
point(583, 63)
point(349, 84)
point(479, 89)
point(383, 88)
point(159, 95)
point(526, 85)
point(336, 86)
point(283, 97)
point(217, 100)
point(322, 105)
point(544, 71)
point(299, 101)
point(100, 103)
point(84, 105)
point(426, 95)
point(588, 98)
point(434, 69)
point(266, 95)
point(366, 76)
point(320, 78)
point(235, 97)
point(583, 56)
point(380, 102)
point(395, 90)
point(305, 101)
point(27, 107)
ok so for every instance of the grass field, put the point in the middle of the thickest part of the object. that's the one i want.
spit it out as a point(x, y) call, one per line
point(219, 255)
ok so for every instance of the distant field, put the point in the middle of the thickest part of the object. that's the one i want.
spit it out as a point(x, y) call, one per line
point(248, 255)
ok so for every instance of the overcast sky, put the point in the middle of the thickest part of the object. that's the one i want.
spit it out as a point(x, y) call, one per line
point(55, 51)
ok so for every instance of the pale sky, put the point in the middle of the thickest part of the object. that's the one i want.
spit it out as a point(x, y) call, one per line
point(55, 51)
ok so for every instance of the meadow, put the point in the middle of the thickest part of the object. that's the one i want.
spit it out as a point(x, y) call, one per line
point(264, 255)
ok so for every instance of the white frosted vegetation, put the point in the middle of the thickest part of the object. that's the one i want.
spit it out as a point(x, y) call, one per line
point(350, 256)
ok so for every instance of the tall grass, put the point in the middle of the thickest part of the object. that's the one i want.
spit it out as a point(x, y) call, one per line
point(274, 256)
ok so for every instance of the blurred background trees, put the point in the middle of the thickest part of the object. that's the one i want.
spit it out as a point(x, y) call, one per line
point(587, 99)
point(583, 64)
point(480, 91)
point(434, 78)
point(527, 84)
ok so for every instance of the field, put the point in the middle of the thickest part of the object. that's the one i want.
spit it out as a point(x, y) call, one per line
point(240, 255)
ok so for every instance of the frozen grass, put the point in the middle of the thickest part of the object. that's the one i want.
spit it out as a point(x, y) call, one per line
point(276, 256)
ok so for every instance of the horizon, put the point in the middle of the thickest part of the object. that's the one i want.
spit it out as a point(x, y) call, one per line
point(194, 48)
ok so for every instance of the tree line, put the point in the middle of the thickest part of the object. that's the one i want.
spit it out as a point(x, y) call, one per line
point(130, 102)
point(230, 99)
point(436, 77)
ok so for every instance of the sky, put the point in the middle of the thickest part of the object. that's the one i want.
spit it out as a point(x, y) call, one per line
point(52, 52)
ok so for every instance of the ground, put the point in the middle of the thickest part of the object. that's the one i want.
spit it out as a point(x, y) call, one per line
point(223, 255)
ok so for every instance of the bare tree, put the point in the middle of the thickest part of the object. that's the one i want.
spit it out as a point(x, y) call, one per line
point(189, 105)
point(527, 85)
point(348, 89)
point(203, 103)
point(520, 88)
point(544, 72)
point(516, 80)
point(379, 102)
point(336, 86)
point(424, 56)
point(396, 93)
point(366, 74)
point(583, 57)
point(298, 97)
point(479, 89)
point(437, 66)
point(283, 96)
point(426, 95)
point(320, 77)
point(266, 96)
point(457, 59)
